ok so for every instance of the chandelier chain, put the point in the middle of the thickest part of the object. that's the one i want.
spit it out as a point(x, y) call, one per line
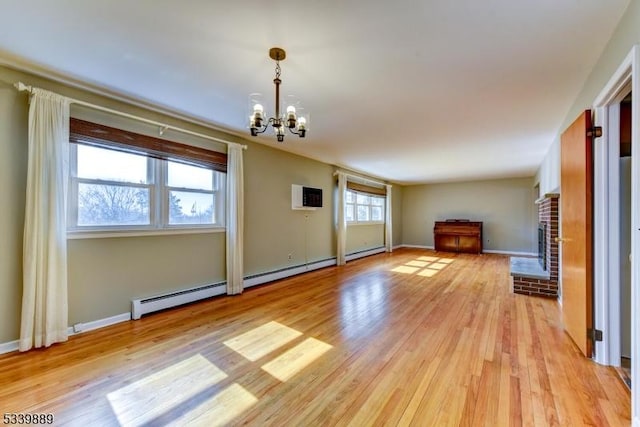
point(278, 70)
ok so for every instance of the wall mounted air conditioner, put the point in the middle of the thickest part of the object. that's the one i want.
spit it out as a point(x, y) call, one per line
point(305, 198)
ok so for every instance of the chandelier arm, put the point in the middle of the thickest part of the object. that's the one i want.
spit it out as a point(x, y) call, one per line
point(301, 133)
point(264, 129)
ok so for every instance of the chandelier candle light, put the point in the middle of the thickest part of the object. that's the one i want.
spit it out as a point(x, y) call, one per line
point(292, 119)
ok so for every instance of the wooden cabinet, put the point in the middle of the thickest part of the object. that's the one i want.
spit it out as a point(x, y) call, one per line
point(457, 235)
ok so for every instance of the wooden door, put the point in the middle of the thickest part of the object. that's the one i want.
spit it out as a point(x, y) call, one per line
point(576, 182)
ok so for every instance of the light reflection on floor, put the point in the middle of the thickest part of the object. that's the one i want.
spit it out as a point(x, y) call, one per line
point(426, 266)
point(362, 305)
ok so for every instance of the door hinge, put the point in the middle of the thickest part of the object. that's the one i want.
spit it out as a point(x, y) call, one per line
point(595, 132)
point(594, 334)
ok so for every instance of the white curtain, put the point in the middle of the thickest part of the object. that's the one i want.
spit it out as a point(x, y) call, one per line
point(235, 220)
point(44, 296)
point(342, 221)
point(388, 223)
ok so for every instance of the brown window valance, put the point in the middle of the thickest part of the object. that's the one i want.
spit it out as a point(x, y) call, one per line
point(81, 131)
point(362, 188)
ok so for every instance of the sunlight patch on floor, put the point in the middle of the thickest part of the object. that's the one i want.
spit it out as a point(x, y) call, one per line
point(425, 266)
point(428, 272)
point(417, 263)
point(428, 258)
point(405, 269)
point(145, 400)
point(260, 341)
point(296, 359)
point(220, 409)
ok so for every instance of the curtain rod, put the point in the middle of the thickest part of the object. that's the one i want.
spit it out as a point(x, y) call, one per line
point(362, 178)
point(163, 127)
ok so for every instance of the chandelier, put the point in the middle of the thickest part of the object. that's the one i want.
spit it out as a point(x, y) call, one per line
point(293, 119)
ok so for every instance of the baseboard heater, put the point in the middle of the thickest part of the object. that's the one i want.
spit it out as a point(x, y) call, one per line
point(364, 253)
point(143, 306)
point(260, 278)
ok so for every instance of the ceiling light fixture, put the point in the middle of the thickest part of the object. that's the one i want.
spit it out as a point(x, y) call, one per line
point(293, 119)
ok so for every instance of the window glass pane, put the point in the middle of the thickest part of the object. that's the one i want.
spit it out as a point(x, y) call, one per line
point(362, 199)
point(101, 163)
point(187, 176)
point(376, 213)
point(378, 201)
point(186, 207)
point(350, 197)
point(363, 213)
point(349, 212)
point(100, 204)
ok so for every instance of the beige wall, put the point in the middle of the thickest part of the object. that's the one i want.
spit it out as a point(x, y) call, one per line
point(363, 237)
point(505, 206)
point(397, 219)
point(106, 273)
point(626, 34)
point(13, 166)
point(273, 230)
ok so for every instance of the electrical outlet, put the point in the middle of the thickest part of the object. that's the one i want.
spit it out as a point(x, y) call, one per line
point(290, 256)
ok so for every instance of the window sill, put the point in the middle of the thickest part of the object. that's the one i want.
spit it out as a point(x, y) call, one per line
point(100, 234)
point(350, 224)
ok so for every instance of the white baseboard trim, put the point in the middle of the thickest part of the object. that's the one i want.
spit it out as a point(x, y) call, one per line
point(417, 247)
point(512, 253)
point(10, 346)
point(363, 254)
point(100, 323)
point(288, 272)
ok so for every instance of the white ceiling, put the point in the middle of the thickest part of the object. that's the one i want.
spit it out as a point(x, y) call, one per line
point(410, 91)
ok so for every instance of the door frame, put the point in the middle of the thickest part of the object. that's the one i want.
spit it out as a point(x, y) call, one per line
point(606, 210)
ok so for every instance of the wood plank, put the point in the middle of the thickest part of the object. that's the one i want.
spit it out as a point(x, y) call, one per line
point(360, 344)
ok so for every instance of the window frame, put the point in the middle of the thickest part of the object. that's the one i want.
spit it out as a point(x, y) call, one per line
point(157, 181)
point(368, 206)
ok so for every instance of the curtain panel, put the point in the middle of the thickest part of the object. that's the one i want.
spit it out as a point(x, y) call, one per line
point(44, 318)
point(342, 221)
point(235, 220)
point(388, 222)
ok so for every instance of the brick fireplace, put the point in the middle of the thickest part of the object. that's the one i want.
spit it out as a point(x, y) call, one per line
point(529, 276)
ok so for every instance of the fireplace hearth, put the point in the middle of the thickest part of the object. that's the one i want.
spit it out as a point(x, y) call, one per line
point(539, 277)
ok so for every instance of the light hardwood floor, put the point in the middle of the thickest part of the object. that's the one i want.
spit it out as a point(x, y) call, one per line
point(410, 338)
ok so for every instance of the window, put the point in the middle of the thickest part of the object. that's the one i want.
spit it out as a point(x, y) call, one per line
point(364, 208)
point(118, 188)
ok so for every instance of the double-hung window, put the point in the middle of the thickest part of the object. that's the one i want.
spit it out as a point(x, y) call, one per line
point(122, 181)
point(364, 205)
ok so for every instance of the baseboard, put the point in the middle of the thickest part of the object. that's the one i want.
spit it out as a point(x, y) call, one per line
point(259, 279)
point(512, 253)
point(417, 247)
point(365, 253)
point(10, 346)
point(100, 323)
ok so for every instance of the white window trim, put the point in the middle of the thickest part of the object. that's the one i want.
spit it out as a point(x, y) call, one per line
point(355, 210)
point(158, 205)
point(99, 234)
